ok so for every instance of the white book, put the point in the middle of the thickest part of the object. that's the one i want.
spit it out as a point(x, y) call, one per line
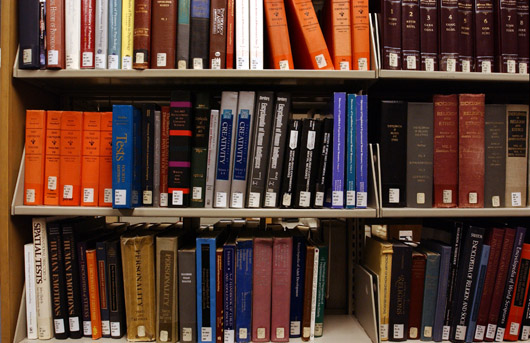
point(42, 279)
point(314, 296)
point(227, 122)
point(242, 138)
point(102, 33)
point(31, 306)
point(256, 35)
point(72, 35)
point(242, 34)
point(212, 158)
point(156, 159)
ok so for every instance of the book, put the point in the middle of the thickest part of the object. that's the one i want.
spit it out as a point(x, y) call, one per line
point(244, 266)
point(219, 306)
point(70, 163)
point(445, 156)
point(292, 157)
point(279, 47)
point(42, 35)
point(34, 159)
point(310, 293)
point(52, 159)
point(350, 153)
point(230, 36)
point(199, 150)
point(282, 253)
point(297, 284)
point(360, 30)
point(419, 154)
point(148, 151)
point(31, 305)
point(430, 291)
point(308, 45)
point(471, 150)
point(323, 256)
point(211, 162)
point(127, 34)
point(142, 34)
point(126, 145)
point(116, 291)
point(361, 151)
point(187, 293)
point(217, 53)
point(478, 293)
point(255, 21)
point(229, 287)
point(90, 159)
point(72, 33)
point(417, 281)
point(105, 161)
point(410, 35)
point(54, 26)
point(494, 155)
point(339, 151)
point(522, 37)
point(183, 34)
point(400, 290)
point(506, 36)
point(429, 34)
point(71, 272)
point(28, 28)
point(242, 34)
point(337, 32)
point(393, 144)
point(484, 39)
point(391, 24)
point(242, 137)
point(42, 279)
point(516, 155)
point(449, 35)
point(308, 162)
point(163, 34)
point(88, 33)
point(525, 328)
point(104, 287)
point(323, 179)
point(101, 40)
point(93, 293)
point(199, 33)
point(466, 36)
point(164, 156)
point(261, 287)
point(114, 48)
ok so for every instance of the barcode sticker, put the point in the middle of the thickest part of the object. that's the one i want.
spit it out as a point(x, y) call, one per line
point(411, 62)
point(413, 332)
point(405, 235)
point(307, 331)
point(26, 56)
point(270, 199)
point(140, 57)
point(243, 333)
point(284, 65)
point(319, 199)
point(187, 334)
point(197, 63)
point(473, 197)
point(516, 198)
point(344, 65)
point(164, 197)
point(321, 61)
point(261, 333)
point(311, 135)
point(511, 66)
point(253, 199)
point(363, 63)
point(466, 66)
point(115, 329)
point(420, 198)
point(398, 331)
point(182, 64)
point(280, 333)
point(87, 59)
point(216, 63)
point(120, 196)
point(237, 200)
point(500, 334)
point(52, 183)
point(337, 198)
point(164, 335)
point(496, 201)
point(393, 195)
point(255, 64)
point(427, 331)
point(126, 64)
point(479, 332)
point(295, 328)
point(53, 57)
point(451, 64)
point(305, 199)
point(445, 332)
point(88, 194)
point(58, 325)
point(383, 328)
point(362, 199)
point(105, 327)
point(429, 64)
point(30, 195)
point(514, 329)
point(525, 334)
point(87, 328)
point(486, 67)
point(460, 333)
point(229, 336)
point(196, 193)
point(393, 59)
point(68, 192)
point(177, 198)
point(220, 199)
point(206, 334)
point(161, 60)
point(447, 196)
point(319, 329)
point(107, 195)
point(147, 198)
point(73, 323)
point(293, 139)
point(490, 333)
point(350, 198)
point(114, 62)
point(523, 68)
point(140, 331)
point(100, 61)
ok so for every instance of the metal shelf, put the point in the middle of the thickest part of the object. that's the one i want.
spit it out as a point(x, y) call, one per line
point(387, 212)
point(452, 76)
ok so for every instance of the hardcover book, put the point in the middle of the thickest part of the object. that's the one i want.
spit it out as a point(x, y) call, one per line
point(70, 164)
point(323, 178)
point(523, 27)
point(516, 155)
point(360, 35)
point(164, 156)
point(484, 36)
point(217, 56)
point(199, 34)
point(310, 283)
point(279, 47)
point(211, 162)
point(28, 28)
point(34, 157)
point(466, 36)
point(282, 253)
point(102, 34)
point(429, 34)
point(297, 284)
point(361, 170)
point(164, 34)
point(400, 290)
point(54, 34)
point(71, 270)
point(449, 35)
point(242, 34)
point(127, 34)
point(148, 151)
point(199, 150)
point(183, 34)
point(307, 171)
point(494, 155)
point(337, 32)
point(230, 36)
point(43, 298)
point(417, 280)
point(52, 157)
point(478, 293)
point(58, 281)
point(88, 33)
point(142, 34)
point(103, 284)
point(339, 150)
point(292, 154)
point(93, 293)
point(229, 288)
point(187, 293)
point(105, 161)
point(410, 35)
point(90, 160)
point(114, 48)
point(506, 36)
point(430, 292)
point(42, 35)
point(72, 34)
point(116, 292)
point(31, 305)
point(244, 267)
point(256, 34)
point(350, 154)
point(261, 287)
point(391, 30)
point(323, 255)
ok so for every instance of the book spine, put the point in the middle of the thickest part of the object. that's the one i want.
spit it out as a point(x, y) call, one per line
point(323, 179)
point(361, 150)
point(127, 34)
point(42, 34)
point(122, 152)
point(230, 28)
point(88, 17)
point(391, 34)
point(34, 157)
point(351, 130)
point(28, 28)
point(219, 305)
point(217, 56)
point(292, 153)
point(42, 279)
point(73, 292)
point(166, 290)
point(261, 289)
point(199, 33)
point(164, 34)
point(441, 299)
point(31, 305)
point(53, 152)
point(115, 288)
point(199, 152)
point(506, 53)
point(54, 34)
point(297, 286)
point(156, 158)
point(187, 295)
point(429, 296)
point(101, 258)
point(205, 304)
point(183, 34)
point(337, 32)
point(142, 34)
point(525, 327)
point(449, 35)
point(400, 292)
point(105, 162)
point(417, 279)
point(211, 161)
point(244, 266)
point(70, 162)
point(429, 35)
point(410, 35)
point(305, 180)
point(484, 36)
point(495, 155)
point(256, 35)
point(321, 289)
point(148, 150)
point(93, 293)
point(314, 289)
point(164, 157)
point(83, 281)
point(90, 160)
point(114, 36)
point(102, 34)
point(523, 27)
point(229, 289)
point(360, 35)
point(276, 155)
point(242, 34)
point(478, 293)
point(279, 53)
point(516, 154)
point(282, 253)
point(466, 36)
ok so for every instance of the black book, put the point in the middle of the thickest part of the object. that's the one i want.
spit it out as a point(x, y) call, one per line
point(495, 155)
point(323, 180)
point(400, 291)
point(260, 149)
point(187, 293)
point(291, 163)
point(393, 147)
point(114, 277)
point(148, 150)
point(308, 162)
point(199, 151)
point(199, 35)
point(28, 34)
point(101, 256)
point(58, 281)
point(42, 35)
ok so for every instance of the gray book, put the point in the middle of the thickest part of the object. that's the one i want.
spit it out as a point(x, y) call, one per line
point(187, 294)
point(430, 291)
point(183, 34)
point(419, 154)
point(260, 149)
point(241, 148)
point(212, 158)
point(156, 160)
point(495, 155)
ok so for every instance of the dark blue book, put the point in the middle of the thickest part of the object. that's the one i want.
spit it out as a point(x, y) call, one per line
point(28, 34)
point(229, 288)
point(199, 34)
point(400, 291)
point(126, 156)
point(478, 293)
point(339, 140)
point(101, 256)
point(42, 34)
point(297, 284)
point(430, 291)
point(351, 132)
point(244, 253)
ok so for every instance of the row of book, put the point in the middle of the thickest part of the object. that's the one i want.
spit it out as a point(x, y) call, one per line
point(250, 153)
point(454, 152)
point(463, 282)
point(197, 34)
point(231, 282)
point(456, 35)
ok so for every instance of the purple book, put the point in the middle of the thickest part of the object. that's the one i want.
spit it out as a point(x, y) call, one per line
point(449, 35)
point(466, 63)
point(522, 36)
point(339, 133)
point(410, 34)
point(484, 47)
point(392, 34)
point(506, 54)
point(429, 34)
point(361, 151)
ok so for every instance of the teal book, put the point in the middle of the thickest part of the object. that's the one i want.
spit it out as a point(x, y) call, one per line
point(430, 291)
point(114, 47)
point(351, 128)
point(321, 286)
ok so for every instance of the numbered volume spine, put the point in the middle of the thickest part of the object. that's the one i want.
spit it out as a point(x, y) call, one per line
point(410, 34)
point(465, 28)
point(323, 180)
point(429, 34)
point(292, 155)
point(309, 150)
point(484, 36)
point(391, 34)
point(449, 35)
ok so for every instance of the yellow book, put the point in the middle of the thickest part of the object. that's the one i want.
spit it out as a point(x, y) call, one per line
point(378, 257)
point(127, 34)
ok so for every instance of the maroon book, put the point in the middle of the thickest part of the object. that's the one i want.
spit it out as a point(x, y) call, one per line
point(500, 283)
point(522, 36)
point(494, 240)
point(218, 34)
point(417, 281)
point(506, 47)
point(471, 150)
point(261, 288)
point(466, 61)
point(142, 34)
point(410, 34)
point(484, 36)
point(449, 35)
point(282, 253)
point(88, 33)
point(392, 34)
point(429, 34)
point(219, 306)
point(445, 160)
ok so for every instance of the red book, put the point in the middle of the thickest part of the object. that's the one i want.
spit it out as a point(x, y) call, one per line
point(55, 34)
point(500, 283)
point(337, 31)
point(513, 326)
point(70, 165)
point(495, 241)
point(471, 150)
point(90, 159)
point(445, 160)
point(88, 33)
point(417, 281)
point(230, 31)
point(164, 156)
point(34, 157)
point(261, 289)
point(53, 153)
point(105, 162)
point(93, 293)
point(219, 306)
point(282, 254)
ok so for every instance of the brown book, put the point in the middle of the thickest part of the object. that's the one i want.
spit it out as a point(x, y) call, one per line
point(516, 155)
point(484, 36)
point(55, 34)
point(261, 287)
point(164, 34)
point(429, 34)
point(471, 150)
point(391, 34)
point(142, 34)
point(466, 61)
point(218, 34)
point(449, 35)
point(445, 160)
point(410, 34)
point(93, 293)
point(523, 46)
point(416, 294)
point(308, 312)
point(506, 39)
point(280, 56)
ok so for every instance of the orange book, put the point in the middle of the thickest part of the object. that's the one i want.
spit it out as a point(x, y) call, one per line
point(308, 45)
point(360, 39)
point(93, 292)
point(337, 28)
point(34, 158)
point(90, 158)
point(278, 35)
point(70, 165)
point(520, 292)
point(53, 157)
point(105, 161)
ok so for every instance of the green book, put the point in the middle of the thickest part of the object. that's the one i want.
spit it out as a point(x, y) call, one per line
point(199, 151)
point(321, 286)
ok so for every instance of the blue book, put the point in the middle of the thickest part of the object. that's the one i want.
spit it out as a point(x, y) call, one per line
point(297, 284)
point(114, 47)
point(479, 286)
point(351, 128)
point(229, 288)
point(28, 32)
point(244, 252)
point(126, 148)
point(430, 291)
point(361, 177)
point(339, 132)
point(199, 34)
point(441, 298)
